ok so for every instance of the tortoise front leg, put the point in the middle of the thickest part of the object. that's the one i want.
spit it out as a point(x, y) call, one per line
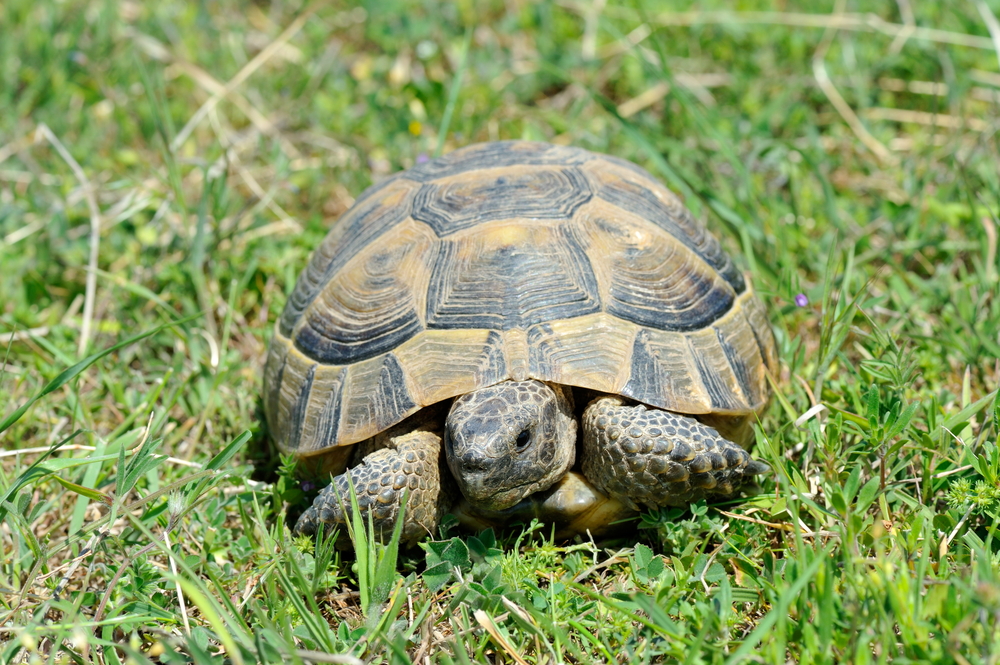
point(410, 462)
point(648, 457)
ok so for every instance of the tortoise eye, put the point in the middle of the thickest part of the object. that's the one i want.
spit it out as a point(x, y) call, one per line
point(523, 439)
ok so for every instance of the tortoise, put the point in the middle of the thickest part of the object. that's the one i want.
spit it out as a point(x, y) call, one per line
point(519, 328)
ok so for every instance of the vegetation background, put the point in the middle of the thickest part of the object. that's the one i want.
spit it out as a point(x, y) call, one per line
point(167, 167)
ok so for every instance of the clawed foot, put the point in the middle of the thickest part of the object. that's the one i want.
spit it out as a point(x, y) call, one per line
point(648, 457)
point(411, 465)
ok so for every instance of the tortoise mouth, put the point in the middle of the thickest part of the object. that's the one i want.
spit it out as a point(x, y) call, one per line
point(487, 496)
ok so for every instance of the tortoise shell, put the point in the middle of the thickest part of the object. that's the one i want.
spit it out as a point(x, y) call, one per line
point(512, 260)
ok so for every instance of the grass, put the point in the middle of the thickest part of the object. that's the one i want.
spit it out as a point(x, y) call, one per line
point(850, 160)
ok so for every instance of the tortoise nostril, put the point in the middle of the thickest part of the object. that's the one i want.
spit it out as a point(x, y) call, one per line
point(473, 463)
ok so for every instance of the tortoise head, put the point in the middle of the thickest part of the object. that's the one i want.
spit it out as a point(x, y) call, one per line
point(510, 440)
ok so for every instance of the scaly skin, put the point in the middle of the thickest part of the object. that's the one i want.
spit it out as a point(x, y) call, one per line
point(647, 457)
point(411, 462)
point(510, 448)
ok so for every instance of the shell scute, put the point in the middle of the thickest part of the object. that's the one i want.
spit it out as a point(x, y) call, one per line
point(510, 276)
point(445, 363)
point(720, 381)
point(653, 281)
point(585, 351)
point(376, 396)
point(360, 226)
point(478, 197)
point(646, 198)
point(498, 154)
point(662, 371)
point(370, 306)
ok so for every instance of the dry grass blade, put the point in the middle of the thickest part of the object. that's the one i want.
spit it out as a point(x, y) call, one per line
point(156, 50)
point(265, 198)
point(43, 131)
point(588, 43)
point(484, 620)
point(644, 100)
point(64, 581)
point(619, 557)
point(79, 446)
point(924, 118)
point(839, 103)
point(626, 43)
point(938, 89)
point(19, 335)
point(837, 21)
point(858, 22)
point(916, 87)
point(753, 520)
point(23, 232)
point(696, 84)
point(15, 147)
point(909, 26)
point(989, 78)
point(333, 658)
point(991, 249)
point(990, 19)
point(266, 54)
point(181, 604)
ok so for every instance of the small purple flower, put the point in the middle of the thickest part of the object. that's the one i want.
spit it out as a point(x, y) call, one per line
point(308, 486)
point(801, 300)
point(422, 157)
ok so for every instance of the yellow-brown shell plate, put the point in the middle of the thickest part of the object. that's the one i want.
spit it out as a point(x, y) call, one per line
point(504, 261)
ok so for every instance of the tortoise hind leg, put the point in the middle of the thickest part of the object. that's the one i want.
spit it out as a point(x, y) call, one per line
point(410, 463)
point(649, 457)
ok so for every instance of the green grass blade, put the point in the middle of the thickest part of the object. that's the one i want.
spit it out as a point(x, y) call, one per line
point(71, 373)
point(90, 493)
point(34, 472)
point(385, 570)
point(456, 86)
point(780, 611)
